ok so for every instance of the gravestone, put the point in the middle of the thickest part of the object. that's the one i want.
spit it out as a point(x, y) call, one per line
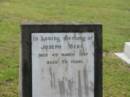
point(61, 61)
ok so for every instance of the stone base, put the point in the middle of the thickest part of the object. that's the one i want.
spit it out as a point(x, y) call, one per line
point(123, 57)
point(126, 54)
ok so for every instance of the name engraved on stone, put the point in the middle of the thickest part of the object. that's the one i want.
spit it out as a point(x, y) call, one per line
point(63, 64)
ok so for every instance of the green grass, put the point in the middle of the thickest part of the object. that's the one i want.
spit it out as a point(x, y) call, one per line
point(113, 14)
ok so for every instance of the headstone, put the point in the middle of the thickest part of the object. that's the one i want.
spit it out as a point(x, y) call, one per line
point(61, 61)
point(125, 55)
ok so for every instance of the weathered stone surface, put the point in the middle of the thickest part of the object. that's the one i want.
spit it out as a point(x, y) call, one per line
point(63, 64)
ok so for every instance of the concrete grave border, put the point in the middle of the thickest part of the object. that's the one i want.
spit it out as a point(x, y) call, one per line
point(125, 55)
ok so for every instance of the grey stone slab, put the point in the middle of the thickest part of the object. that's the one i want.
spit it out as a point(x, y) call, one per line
point(61, 60)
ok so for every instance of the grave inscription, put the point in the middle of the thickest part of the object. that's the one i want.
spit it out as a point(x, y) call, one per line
point(63, 64)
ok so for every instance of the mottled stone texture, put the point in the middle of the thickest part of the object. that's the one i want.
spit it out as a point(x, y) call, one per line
point(63, 64)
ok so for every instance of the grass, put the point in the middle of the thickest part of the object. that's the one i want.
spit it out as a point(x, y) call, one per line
point(113, 14)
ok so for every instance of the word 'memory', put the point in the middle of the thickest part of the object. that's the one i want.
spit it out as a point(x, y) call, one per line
point(78, 38)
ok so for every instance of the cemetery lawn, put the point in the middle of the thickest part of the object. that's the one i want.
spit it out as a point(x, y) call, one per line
point(113, 14)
